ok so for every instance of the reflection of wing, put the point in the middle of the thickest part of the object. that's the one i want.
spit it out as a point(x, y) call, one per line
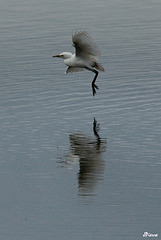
point(84, 45)
point(90, 160)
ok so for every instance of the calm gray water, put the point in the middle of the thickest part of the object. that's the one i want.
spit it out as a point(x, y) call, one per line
point(73, 166)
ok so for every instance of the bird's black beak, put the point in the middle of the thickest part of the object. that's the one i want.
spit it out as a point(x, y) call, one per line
point(57, 55)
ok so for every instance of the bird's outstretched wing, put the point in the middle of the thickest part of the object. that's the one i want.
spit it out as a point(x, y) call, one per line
point(74, 69)
point(84, 45)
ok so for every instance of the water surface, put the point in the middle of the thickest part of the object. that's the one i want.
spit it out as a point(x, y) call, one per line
point(73, 166)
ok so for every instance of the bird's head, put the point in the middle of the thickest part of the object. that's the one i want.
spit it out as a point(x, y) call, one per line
point(64, 55)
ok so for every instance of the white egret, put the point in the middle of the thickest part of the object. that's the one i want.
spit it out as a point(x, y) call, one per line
point(85, 58)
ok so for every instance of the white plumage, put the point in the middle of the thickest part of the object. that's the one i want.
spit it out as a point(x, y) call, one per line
point(85, 57)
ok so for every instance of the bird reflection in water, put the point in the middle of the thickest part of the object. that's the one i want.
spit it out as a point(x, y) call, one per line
point(89, 152)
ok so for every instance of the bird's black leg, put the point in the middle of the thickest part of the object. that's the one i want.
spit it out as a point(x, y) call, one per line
point(94, 86)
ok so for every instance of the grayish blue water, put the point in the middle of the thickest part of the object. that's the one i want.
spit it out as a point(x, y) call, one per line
point(73, 166)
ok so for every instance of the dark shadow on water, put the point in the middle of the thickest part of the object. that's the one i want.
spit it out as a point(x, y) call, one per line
point(88, 151)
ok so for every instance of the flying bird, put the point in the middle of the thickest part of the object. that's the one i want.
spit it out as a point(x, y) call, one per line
point(85, 57)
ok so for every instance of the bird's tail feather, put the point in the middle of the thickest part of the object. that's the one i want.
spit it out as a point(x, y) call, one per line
point(98, 66)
